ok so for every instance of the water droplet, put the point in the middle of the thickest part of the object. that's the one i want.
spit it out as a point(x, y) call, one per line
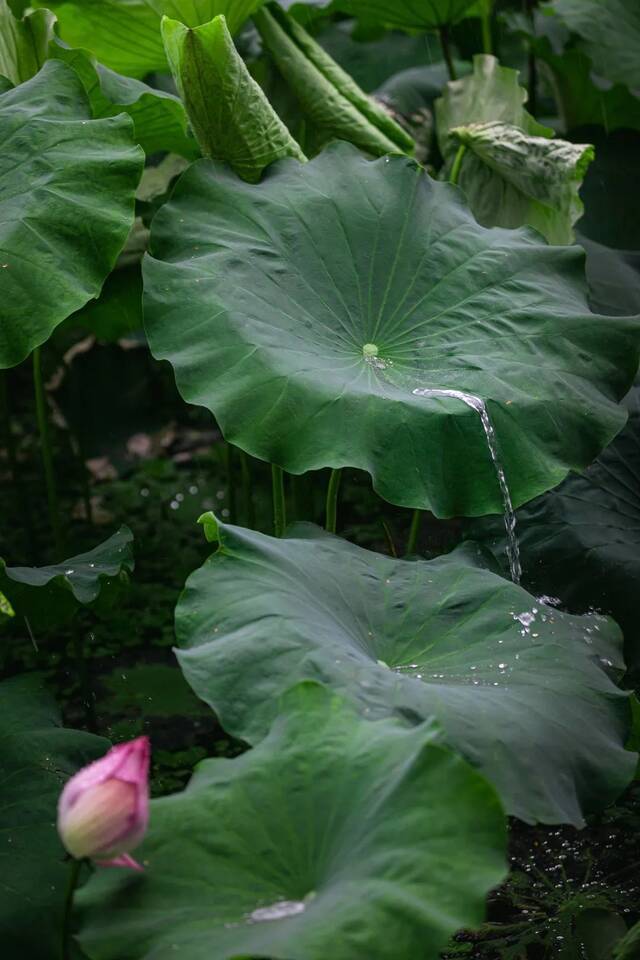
point(277, 911)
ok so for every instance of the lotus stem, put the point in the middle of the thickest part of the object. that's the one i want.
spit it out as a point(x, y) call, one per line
point(387, 535)
point(446, 52)
point(72, 883)
point(414, 530)
point(279, 502)
point(247, 493)
point(22, 497)
point(532, 81)
point(487, 39)
point(47, 455)
point(228, 458)
point(457, 164)
point(332, 500)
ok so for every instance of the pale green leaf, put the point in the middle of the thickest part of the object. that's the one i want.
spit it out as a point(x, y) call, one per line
point(512, 178)
point(491, 92)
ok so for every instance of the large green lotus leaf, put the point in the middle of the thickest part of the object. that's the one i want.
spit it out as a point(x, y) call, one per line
point(372, 62)
point(610, 30)
point(66, 208)
point(581, 541)
point(329, 97)
point(52, 594)
point(305, 312)
point(334, 837)
point(515, 684)
point(512, 178)
point(193, 13)
point(231, 116)
point(568, 72)
point(125, 34)
point(490, 93)
point(396, 14)
point(160, 119)
point(23, 43)
point(37, 756)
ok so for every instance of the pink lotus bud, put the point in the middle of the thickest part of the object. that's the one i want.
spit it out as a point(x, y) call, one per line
point(103, 810)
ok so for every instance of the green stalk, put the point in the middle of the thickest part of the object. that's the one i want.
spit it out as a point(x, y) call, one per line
point(414, 530)
point(332, 500)
point(227, 454)
point(446, 52)
point(387, 535)
point(457, 164)
point(279, 502)
point(72, 883)
point(47, 455)
point(487, 39)
point(247, 493)
point(21, 495)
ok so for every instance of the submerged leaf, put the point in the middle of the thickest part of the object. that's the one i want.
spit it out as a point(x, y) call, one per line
point(512, 178)
point(515, 684)
point(67, 205)
point(306, 312)
point(51, 594)
point(37, 756)
point(329, 97)
point(230, 115)
point(335, 836)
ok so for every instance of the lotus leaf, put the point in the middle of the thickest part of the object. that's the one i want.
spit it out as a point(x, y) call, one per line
point(305, 312)
point(516, 684)
point(269, 854)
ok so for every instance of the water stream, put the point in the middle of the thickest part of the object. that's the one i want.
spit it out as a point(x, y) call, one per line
point(477, 404)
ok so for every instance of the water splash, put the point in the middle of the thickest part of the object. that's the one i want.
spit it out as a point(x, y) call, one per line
point(477, 404)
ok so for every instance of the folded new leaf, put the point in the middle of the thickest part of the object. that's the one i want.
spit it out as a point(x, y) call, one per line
point(230, 115)
point(513, 173)
point(23, 43)
point(329, 96)
point(512, 178)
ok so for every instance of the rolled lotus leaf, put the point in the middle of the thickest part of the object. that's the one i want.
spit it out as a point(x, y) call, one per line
point(230, 115)
point(330, 98)
point(23, 43)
